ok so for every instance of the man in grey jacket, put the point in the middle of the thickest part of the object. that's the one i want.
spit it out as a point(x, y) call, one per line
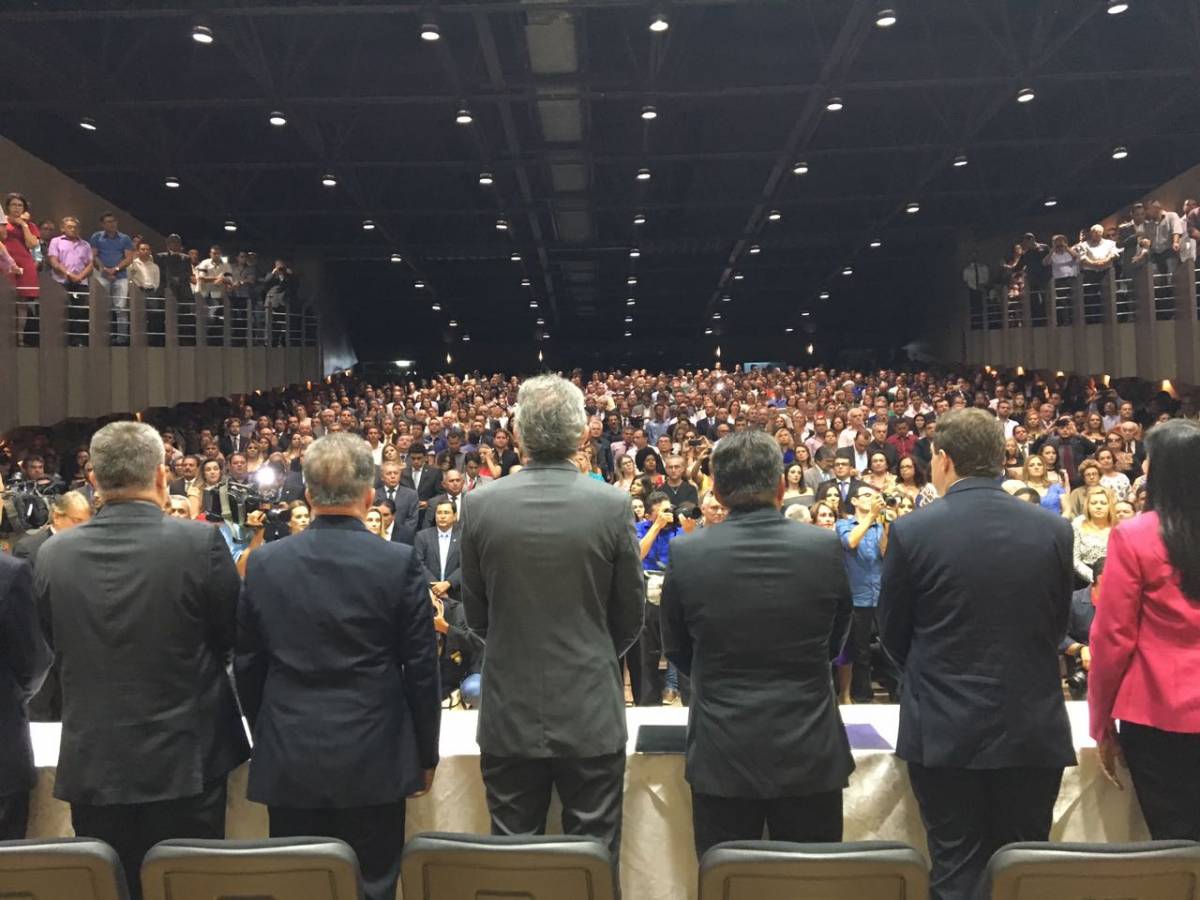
point(552, 579)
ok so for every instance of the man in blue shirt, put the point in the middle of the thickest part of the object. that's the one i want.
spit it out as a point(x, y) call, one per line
point(864, 537)
point(654, 534)
point(112, 253)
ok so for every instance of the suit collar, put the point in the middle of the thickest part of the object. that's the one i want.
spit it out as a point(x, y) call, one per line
point(339, 523)
point(972, 484)
point(564, 465)
point(129, 509)
point(757, 514)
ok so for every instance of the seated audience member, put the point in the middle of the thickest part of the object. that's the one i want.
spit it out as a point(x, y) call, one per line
point(1092, 530)
point(1123, 509)
point(373, 520)
point(796, 491)
point(1074, 503)
point(1074, 646)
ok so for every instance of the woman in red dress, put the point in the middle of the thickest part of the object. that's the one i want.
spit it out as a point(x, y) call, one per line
point(20, 237)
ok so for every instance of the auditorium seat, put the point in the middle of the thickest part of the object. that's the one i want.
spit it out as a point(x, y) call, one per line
point(313, 868)
point(439, 866)
point(1154, 870)
point(78, 868)
point(777, 870)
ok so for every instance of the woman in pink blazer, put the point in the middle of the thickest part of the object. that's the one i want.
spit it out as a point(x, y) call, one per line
point(1145, 640)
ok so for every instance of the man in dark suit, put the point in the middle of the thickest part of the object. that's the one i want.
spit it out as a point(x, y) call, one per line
point(847, 484)
point(765, 740)
point(404, 501)
point(423, 478)
point(879, 444)
point(233, 440)
point(338, 671)
point(189, 468)
point(858, 453)
point(438, 553)
point(551, 571)
point(141, 611)
point(982, 721)
point(24, 661)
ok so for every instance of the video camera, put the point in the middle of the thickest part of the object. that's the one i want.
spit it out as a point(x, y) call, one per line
point(262, 492)
point(20, 483)
point(686, 510)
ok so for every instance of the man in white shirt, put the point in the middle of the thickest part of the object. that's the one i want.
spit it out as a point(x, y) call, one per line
point(1096, 254)
point(853, 426)
point(213, 275)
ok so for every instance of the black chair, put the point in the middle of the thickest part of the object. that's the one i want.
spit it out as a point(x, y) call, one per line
point(1154, 870)
point(778, 870)
point(55, 869)
point(437, 866)
point(312, 868)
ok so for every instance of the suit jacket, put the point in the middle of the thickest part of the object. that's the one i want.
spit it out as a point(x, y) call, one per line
point(29, 545)
point(847, 507)
point(888, 450)
point(225, 442)
point(293, 487)
point(141, 609)
point(337, 669)
point(179, 486)
point(764, 721)
point(404, 528)
point(429, 556)
point(24, 661)
point(46, 704)
point(1145, 639)
point(431, 486)
point(552, 579)
point(460, 650)
point(973, 604)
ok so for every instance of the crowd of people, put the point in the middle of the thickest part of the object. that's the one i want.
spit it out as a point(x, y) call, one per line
point(389, 515)
point(113, 260)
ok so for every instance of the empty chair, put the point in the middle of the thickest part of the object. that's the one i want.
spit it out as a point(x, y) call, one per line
point(1154, 870)
point(438, 866)
point(78, 868)
point(311, 868)
point(776, 870)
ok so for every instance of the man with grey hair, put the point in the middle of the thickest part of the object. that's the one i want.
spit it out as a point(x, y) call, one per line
point(765, 744)
point(552, 578)
point(338, 670)
point(140, 609)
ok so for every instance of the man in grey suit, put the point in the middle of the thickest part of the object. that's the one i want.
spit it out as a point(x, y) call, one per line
point(754, 611)
point(141, 610)
point(552, 578)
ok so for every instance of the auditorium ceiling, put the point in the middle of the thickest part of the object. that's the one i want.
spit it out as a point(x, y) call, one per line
point(661, 181)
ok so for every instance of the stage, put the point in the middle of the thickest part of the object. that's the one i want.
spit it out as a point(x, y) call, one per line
point(657, 858)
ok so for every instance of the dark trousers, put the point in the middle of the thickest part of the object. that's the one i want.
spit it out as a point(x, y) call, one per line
point(376, 834)
point(862, 631)
point(1165, 766)
point(816, 818)
point(969, 814)
point(649, 647)
point(132, 829)
point(591, 791)
point(14, 816)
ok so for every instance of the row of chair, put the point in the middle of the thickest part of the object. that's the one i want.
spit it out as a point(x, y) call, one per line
point(470, 867)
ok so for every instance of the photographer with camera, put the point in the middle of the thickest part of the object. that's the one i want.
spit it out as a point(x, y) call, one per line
point(864, 537)
point(1074, 646)
point(26, 497)
point(655, 534)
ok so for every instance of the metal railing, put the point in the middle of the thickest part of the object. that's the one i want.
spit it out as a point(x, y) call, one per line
point(1164, 297)
point(78, 318)
point(1125, 304)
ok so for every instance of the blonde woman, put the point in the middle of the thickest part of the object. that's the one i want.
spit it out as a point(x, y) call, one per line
point(1092, 530)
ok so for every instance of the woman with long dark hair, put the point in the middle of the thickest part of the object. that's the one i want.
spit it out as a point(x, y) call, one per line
point(1145, 639)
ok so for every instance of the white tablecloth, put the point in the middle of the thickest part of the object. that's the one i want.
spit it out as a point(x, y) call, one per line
point(657, 858)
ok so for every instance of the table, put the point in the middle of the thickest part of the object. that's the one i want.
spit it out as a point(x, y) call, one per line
point(657, 858)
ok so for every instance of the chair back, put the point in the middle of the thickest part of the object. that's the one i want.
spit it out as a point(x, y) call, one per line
point(1153, 870)
point(79, 868)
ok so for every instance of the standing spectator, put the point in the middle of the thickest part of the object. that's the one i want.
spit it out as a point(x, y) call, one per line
point(404, 502)
point(424, 479)
point(1145, 640)
point(213, 276)
point(20, 237)
point(353, 646)
point(113, 254)
point(677, 490)
point(141, 609)
point(176, 271)
point(24, 661)
point(1166, 230)
point(983, 727)
point(70, 260)
point(864, 537)
point(578, 597)
point(766, 744)
point(278, 288)
point(145, 275)
point(243, 285)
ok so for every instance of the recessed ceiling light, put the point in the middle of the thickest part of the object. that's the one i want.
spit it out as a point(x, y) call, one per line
point(368, 225)
point(708, 331)
point(230, 225)
point(435, 306)
point(541, 322)
point(716, 315)
point(725, 298)
point(809, 348)
point(202, 34)
point(329, 180)
point(643, 174)
point(1116, 7)
point(502, 224)
point(632, 279)
point(430, 32)
point(912, 208)
point(649, 112)
point(800, 168)
point(774, 215)
point(516, 257)
point(885, 18)
point(629, 334)
point(628, 319)
point(631, 301)
point(634, 252)
point(806, 313)
point(453, 323)
point(960, 160)
point(659, 23)
point(738, 276)
point(835, 104)
point(397, 258)
point(755, 249)
point(789, 329)
point(1050, 201)
point(848, 270)
point(639, 218)
point(419, 284)
point(466, 337)
point(824, 295)
point(1024, 95)
point(525, 282)
point(463, 116)
point(87, 123)
point(1119, 153)
point(486, 178)
point(545, 337)
point(533, 304)
point(171, 181)
point(277, 119)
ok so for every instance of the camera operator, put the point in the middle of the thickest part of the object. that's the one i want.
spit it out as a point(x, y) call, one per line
point(27, 496)
point(864, 537)
point(655, 534)
point(1074, 646)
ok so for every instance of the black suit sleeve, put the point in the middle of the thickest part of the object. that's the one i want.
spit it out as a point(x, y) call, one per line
point(677, 641)
point(1064, 577)
point(23, 649)
point(250, 660)
point(419, 656)
point(221, 590)
point(474, 587)
point(410, 515)
point(627, 596)
point(896, 593)
point(421, 552)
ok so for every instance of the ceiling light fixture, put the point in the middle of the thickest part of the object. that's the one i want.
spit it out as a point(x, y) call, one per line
point(628, 319)
point(430, 32)
point(516, 257)
point(634, 252)
point(463, 116)
point(1050, 201)
point(755, 250)
point(725, 298)
point(835, 104)
point(659, 23)
point(885, 18)
point(632, 279)
point(639, 218)
point(329, 180)
point(960, 161)
point(649, 113)
point(230, 225)
point(789, 329)
point(1119, 152)
point(435, 306)
point(466, 338)
point(1024, 95)
point(643, 174)
point(1116, 7)
point(848, 271)
point(875, 244)
point(774, 215)
point(87, 123)
point(806, 313)
point(824, 295)
point(525, 282)
point(202, 34)
point(453, 323)
point(277, 119)
point(486, 179)
point(533, 304)
point(809, 348)
point(541, 322)
point(738, 276)
point(419, 284)
point(629, 334)
point(502, 224)
point(716, 315)
point(171, 181)
point(368, 225)
point(800, 168)
point(397, 258)
point(708, 331)
point(913, 208)
point(631, 301)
